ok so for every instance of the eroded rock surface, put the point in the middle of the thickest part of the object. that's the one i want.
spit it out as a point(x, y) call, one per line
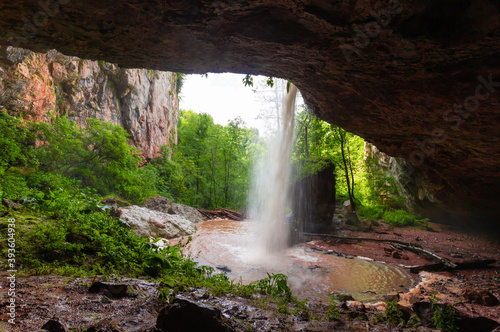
point(419, 79)
point(39, 86)
point(188, 212)
point(146, 222)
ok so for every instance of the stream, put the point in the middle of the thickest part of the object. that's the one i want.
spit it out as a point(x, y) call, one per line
point(313, 275)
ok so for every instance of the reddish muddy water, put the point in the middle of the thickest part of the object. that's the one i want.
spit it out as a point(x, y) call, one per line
point(312, 274)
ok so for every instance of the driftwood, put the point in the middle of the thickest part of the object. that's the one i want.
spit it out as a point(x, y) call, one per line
point(467, 265)
point(427, 255)
point(222, 214)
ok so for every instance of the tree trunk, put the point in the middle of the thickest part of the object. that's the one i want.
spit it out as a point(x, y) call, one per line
point(346, 170)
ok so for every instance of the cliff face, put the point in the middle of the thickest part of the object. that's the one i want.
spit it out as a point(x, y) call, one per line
point(37, 86)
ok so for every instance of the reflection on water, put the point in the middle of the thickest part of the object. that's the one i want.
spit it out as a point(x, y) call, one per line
point(313, 275)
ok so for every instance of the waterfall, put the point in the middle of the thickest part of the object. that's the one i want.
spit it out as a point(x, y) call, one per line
point(271, 188)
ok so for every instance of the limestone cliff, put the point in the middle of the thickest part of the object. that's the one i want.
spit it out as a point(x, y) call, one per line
point(38, 86)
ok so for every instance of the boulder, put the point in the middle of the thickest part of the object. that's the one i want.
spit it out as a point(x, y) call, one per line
point(106, 325)
point(54, 325)
point(190, 213)
point(113, 291)
point(480, 296)
point(313, 200)
point(350, 216)
point(146, 222)
point(184, 315)
point(114, 201)
point(159, 203)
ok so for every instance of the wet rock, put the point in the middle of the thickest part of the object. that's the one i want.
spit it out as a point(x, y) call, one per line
point(106, 325)
point(356, 309)
point(396, 254)
point(146, 222)
point(113, 201)
point(350, 216)
point(113, 291)
point(158, 203)
point(142, 101)
point(480, 296)
point(313, 201)
point(343, 297)
point(184, 315)
point(477, 324)
point(187, 212)
point(10, 204)
point(391, 297)
point(425, 311)
point(224, 268)
point(54, 325)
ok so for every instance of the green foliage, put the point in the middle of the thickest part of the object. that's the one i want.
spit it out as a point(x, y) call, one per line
point(14, 143)
point(401, 218)
point(445, 317)
point(333, 312)
point(380, 187)
point(211, 165)
point(97, 155)
point(179, 82)
point(274, 284)
point(373, 212)
point(414, 321)
point(248, 80)
point(393, 314)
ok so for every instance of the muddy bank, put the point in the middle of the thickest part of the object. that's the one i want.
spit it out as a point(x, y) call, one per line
point(455, 245)
point(41, 298)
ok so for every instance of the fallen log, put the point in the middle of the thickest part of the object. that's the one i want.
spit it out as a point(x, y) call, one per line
point(466, 265)
point(233, 214)
point(222, 214)
point(427, 255)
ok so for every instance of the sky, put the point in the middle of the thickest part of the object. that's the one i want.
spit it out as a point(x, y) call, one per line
point(223, 96)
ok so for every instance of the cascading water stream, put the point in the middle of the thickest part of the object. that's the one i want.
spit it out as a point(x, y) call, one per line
point(310, 274)
point(271, 192)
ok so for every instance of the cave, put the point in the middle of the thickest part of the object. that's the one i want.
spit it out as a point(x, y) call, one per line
point(419, 80)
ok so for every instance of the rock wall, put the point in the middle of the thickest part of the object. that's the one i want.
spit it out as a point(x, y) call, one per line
point(412, 184)
point(39, 86)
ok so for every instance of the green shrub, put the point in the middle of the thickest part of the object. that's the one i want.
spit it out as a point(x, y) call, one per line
point(333, 312)
point(14, 143)
point(97, 156)
point(393, 314)
point(401, 218)
point(444, 316)
point(372, 212)
point(13, 186)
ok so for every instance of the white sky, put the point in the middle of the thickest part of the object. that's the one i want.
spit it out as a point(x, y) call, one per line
point(223, 96)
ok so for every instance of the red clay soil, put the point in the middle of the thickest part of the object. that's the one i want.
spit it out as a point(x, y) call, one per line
point(446, 242)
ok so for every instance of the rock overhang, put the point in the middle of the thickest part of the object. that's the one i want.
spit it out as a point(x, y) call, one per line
point(418, 80)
